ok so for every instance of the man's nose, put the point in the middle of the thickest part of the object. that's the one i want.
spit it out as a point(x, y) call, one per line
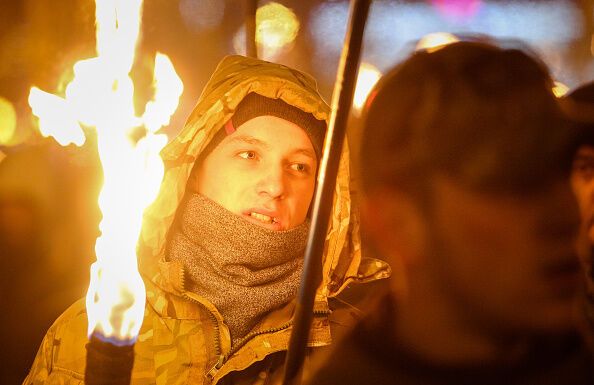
point(272, 183)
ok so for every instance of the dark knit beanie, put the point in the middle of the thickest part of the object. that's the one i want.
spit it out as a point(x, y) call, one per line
point(254, 105)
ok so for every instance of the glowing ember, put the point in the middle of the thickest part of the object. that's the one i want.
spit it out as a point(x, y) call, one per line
point(276, 27)
point(101, 95)
point(434, 41)
point(368, 76)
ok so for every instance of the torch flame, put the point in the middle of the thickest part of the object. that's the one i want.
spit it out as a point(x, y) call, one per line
point(101, 95)
point(168, 90)
point(58, 120)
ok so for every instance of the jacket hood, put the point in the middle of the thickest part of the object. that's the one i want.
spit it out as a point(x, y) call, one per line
point(233, 79)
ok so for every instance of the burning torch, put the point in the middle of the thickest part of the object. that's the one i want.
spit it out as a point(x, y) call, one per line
point(101, 96)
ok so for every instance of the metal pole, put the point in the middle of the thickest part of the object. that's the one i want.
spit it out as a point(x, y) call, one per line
point(342, 98)
point(251, 48)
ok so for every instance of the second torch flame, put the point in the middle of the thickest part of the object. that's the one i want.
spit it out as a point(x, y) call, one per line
point(101, 95)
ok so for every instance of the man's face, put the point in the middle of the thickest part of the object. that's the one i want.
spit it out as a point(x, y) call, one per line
point(582, 182)
point(506, 263)
point(265, 172)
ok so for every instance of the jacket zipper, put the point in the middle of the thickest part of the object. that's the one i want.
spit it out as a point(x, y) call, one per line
point(217, 339)
point(222, 359)
point(217, 330)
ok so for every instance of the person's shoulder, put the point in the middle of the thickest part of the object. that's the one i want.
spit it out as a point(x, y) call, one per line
point(62, 354)
point(70, 331)
point(76, 310)
point(72, 316)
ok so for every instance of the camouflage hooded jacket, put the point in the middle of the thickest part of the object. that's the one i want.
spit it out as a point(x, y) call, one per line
point(183, 339)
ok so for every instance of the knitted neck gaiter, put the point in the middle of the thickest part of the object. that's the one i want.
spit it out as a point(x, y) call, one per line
point(245, 270)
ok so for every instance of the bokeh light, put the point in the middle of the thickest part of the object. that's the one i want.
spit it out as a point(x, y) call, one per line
point(457, 10)
point(276, 28)
point(366, 79)
point(201, 15)
point(395, 26)
point(560, 89)
point(434, 41)
point(238, 41)
point(8, 121)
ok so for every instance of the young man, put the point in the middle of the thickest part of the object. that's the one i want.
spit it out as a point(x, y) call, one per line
point(464, 166)
point(221, 249)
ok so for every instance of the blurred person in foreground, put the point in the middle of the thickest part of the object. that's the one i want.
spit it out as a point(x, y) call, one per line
point(465, 162)
point(221, 249)
point(582, 181)
point(47, 233)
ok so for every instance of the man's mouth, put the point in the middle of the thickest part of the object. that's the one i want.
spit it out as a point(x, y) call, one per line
point(270, 219)
point(263, 218)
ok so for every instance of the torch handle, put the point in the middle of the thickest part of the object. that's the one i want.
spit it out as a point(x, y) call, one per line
point(342, 100)
point(108, 364)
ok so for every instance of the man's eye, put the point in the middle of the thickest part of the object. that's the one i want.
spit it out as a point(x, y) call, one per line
point(300, 167)
point(247, 155)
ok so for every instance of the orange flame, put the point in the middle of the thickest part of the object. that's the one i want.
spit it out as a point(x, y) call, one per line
point(101, 95)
